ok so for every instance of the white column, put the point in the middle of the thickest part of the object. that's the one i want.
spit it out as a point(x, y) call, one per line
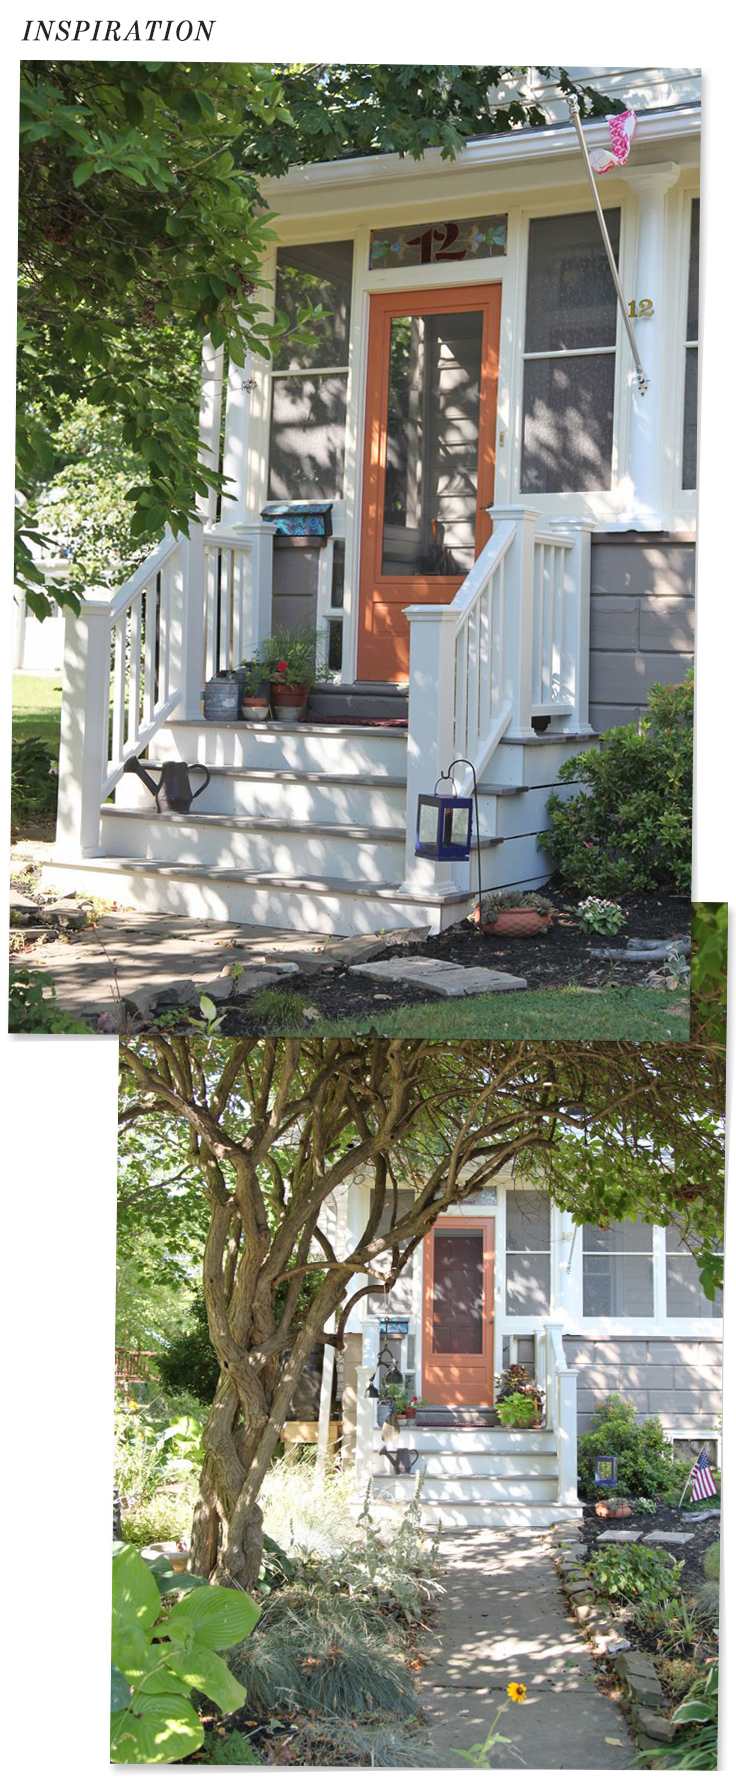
point(210, 412)
point(363, 1428)
point(562, 1388)
point(518, 617)
point(238, 410)
point(85, 707)
point(646, 440)
point(576, 629)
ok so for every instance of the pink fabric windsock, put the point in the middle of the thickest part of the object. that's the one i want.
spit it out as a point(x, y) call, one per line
point(621, 126)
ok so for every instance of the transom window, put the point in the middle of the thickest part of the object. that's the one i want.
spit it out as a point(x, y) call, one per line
point(569, 355)
point(618, 1275)
point(428, 244)
point(690, 418)
point(310, 380)
point(528, 1276)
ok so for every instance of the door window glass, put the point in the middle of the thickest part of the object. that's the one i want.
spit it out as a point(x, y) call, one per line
point(457, 1311)
point(431, 495)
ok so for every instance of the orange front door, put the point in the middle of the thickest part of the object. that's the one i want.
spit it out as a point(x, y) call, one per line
point(457, 1342)
point(429, 459)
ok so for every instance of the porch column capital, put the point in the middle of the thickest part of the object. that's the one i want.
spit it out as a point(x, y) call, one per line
point(654, 181)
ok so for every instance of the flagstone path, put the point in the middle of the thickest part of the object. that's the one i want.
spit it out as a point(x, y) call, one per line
point(502, 1618)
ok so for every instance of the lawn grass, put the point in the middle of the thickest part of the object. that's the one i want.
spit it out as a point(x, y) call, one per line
point(37, 708)
point(632, 1014)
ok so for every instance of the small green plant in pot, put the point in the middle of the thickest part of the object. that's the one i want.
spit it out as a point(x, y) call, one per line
point(518, 1410)
point(255, 700)
point(294, 665)
point(514, 914)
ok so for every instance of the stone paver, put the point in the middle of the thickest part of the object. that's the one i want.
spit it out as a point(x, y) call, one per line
point(669, 1538)
point(503, 1618)
point(621, 1537)
point(449, 978)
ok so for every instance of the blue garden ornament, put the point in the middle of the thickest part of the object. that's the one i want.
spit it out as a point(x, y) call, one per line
point(606, 1472)
point(444, 824)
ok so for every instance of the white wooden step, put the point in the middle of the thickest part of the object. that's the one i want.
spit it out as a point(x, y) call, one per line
point(492, 1442)
point(460, 1516)
point(342, 750)
point(307, 795)
point(469, 1489)
point(461, 1465)
point(303, 848)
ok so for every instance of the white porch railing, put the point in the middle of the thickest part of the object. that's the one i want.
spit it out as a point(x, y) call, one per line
point(124, 659)
point(560, 1388)
point(237, 579)
point(511, 648)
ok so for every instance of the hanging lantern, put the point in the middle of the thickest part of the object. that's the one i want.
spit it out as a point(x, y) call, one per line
point(385, 1410)
point(444, 825)
point(606, 1472)
point(371, 1390)
point(393, 1377)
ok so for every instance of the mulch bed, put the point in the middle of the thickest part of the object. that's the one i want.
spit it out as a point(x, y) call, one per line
point(665, 1520)
point(561, 957)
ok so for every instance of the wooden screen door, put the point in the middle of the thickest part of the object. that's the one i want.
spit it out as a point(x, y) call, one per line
point(429, 459)
point(457, 1344)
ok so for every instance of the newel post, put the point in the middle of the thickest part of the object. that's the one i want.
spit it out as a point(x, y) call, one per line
point(566, 1421)
point(518, 617)
point(83, 741)
point(576, 628)
point(431, 732)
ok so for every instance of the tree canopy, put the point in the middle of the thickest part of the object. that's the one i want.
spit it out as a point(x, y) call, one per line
point(272, 1130)
point(142, 231)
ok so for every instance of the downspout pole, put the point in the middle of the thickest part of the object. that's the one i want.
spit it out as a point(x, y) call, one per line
point(574, 110)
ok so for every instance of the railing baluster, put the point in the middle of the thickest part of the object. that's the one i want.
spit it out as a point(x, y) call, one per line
point(134, 671)
point(473, 729)
point(149, 661)
point(120, 631)
point(226, 609)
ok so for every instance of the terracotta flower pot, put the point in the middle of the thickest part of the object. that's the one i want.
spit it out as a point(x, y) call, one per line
point(516, 921)
point(289, 704)
point(407, 1415)
point(616, 1510)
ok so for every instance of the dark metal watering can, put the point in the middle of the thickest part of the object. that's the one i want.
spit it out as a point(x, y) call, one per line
point(403, 1459)
point(173, 792)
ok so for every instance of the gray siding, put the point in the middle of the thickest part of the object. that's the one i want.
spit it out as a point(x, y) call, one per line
point(642, 620)
point(678, 1380)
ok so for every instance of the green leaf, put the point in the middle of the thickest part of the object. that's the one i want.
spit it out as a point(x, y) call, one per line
point(134, 1592)
point(218, 1617)
point(175, 1582)
point(204, 1670)
point(82, 172)
point(691, 1710)
point(161, 1728)
point(119, 1690)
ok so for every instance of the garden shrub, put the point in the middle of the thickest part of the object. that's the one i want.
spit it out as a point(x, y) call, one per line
point(189, 1361)
point(645, 1465)
point(630, 1572)
point(33, 781)
point(156, 1467)
point(628, 829)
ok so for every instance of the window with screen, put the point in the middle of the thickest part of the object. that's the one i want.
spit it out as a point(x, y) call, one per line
point(690, 418)
point(618, 1273)
point(310, 379)
point(685, 1294)
point(569, 355)
point(528, 1243)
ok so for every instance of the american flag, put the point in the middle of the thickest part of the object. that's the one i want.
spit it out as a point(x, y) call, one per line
point(702, 1483)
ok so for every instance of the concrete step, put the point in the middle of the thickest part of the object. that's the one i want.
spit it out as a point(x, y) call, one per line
point(309, 795)
point(469, 1490)
point(460, 1516)
point(293, 746)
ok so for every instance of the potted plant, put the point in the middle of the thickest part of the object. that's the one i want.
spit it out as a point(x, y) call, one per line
point(514, 914)
point(255, 702)
point(291, 660)
point(515, 1380)
point(405, 1406)
point(518, 1410)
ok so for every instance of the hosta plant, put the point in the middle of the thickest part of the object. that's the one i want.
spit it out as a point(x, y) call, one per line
point(162, 1655)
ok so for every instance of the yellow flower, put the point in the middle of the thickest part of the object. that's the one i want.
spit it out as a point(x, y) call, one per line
point(516, 1691)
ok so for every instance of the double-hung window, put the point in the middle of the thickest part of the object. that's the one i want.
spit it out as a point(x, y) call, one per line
point(310, 380)
point(685, 1294)
point(618, 1269)
point(569, 355)
point(528, 1253)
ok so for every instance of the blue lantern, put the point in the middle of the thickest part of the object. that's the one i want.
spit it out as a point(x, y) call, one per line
point(606, 1472)
point(444, 825)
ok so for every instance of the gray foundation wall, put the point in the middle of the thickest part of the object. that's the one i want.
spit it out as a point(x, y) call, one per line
point(642, 620)
point(678, 1380)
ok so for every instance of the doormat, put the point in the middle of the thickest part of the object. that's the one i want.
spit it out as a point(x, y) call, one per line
point(456, 1417)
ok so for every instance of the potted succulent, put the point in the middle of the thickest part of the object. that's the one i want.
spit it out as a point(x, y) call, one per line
point(291, 661)
point(514, 914)
point(255, 701)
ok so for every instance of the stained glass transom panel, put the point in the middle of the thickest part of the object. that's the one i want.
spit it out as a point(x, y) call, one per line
point(426, 244)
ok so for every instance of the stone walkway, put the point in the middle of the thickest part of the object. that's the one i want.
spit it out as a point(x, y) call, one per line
point(502, 1618)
